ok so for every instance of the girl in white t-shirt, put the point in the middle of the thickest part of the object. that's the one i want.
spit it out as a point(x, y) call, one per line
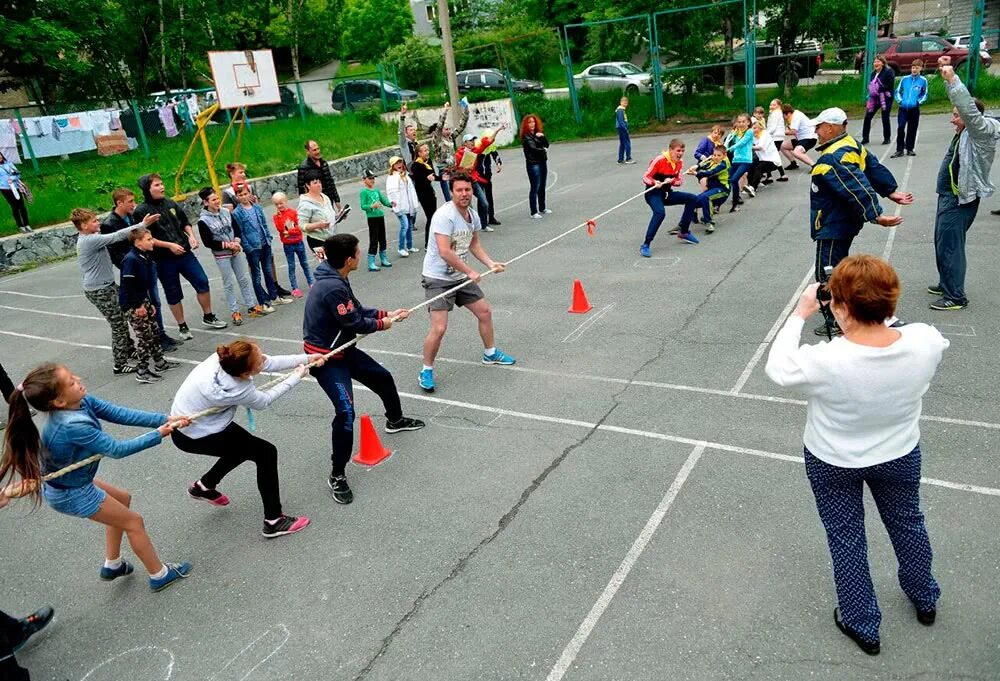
point(403, 195)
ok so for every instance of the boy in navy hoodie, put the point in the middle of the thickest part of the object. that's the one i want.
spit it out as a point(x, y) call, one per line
point(133, 296)
point(911, 92)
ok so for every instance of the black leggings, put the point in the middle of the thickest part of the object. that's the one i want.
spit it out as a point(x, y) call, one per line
point(376, 235)
point(761, 167)
point(428, 201)
point(17, 207)
point(234, 446)
point(10, 636)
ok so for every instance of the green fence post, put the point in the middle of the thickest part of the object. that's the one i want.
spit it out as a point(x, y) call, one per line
point(974, 63)
point(26, 140)
point(750, 52)
point(142, 130)
point(654, 54)
point(510, 93)
point(302, 104)
point(568, 62)
point(381, 90)
point(871, 29)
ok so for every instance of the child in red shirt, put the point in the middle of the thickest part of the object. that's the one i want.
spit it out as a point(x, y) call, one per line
point(662, 175)
point(286, 222)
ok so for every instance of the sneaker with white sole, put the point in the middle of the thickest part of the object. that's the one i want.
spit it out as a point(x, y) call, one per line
point(286, 524)
point(175, 572)
point(498, 357)
point(547, 211)
point(184, 332)
point(339, 489)
point(281, 300)
point(536, 216)
point(404, 423)
point(123, 369)
point(487, 228)
point(403, 253)
point(426, 380)
point(146, 376)
point(165, 364)
point(213, 322)
point(111, 574)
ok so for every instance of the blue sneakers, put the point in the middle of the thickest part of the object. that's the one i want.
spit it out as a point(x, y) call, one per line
point(688, 237)
point(644, 251)
point(498, 358)
point(175, 571)
point(111, 574)
point(427, 380)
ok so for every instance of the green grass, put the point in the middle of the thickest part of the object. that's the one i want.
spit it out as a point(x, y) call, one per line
point(86, 180)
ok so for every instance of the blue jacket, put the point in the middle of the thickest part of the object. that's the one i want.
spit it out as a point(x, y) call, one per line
point(846, 184)
point(71, 435)
point(333, 316)
point(254, 233)
point(137, 279)
point(742, 147)
point(621, 119)
point(8, 174)
point(716, 174)
point(911, 91)
point(704, 149)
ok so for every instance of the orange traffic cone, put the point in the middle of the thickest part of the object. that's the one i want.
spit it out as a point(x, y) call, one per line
point(580, 303)
point(371, 452)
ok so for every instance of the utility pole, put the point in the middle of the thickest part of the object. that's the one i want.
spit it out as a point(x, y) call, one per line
point(444, 20)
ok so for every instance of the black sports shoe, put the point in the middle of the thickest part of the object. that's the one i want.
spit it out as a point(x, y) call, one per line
point(169, 344)
point(283, 292)
point(287, 524)
point(911, 153)
point(898, 154)
point(341, 491)
point(122, 369)
point(402, 424)
point(146, 376)
point(494, 221)
point(184, 332)
point(834, 328)
point(34, 623)
point(213, 322)
point(926, 617)
point(160, 367)
point(945, 303)
point(869, 647)
point(792, 166)
point(935, 290)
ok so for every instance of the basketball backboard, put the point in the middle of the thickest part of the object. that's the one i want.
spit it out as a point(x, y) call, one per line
point(244, 78)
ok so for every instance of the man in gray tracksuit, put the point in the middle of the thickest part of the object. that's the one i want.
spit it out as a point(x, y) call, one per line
point(964, 179)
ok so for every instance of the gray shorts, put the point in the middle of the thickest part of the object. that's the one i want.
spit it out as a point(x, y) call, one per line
point(466, 295)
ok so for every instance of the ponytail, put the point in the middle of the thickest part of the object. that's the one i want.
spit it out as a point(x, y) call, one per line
point(22, 451)
point(236, 358)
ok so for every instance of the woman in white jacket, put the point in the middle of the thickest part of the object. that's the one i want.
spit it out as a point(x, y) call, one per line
point(403, 195)
point(226, 380)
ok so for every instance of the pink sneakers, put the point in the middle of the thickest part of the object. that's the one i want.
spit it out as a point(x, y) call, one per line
point(297, 293)
point(199, 492)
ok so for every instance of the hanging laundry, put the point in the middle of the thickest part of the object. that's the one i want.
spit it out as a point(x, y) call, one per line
point(167, 117)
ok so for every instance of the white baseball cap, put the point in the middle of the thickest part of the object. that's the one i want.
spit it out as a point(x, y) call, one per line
point(834, 115)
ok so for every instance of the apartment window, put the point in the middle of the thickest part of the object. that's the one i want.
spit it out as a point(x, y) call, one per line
point(431, 12)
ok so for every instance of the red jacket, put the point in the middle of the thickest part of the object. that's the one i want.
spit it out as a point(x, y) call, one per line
point(288, 234)
point(479, 148)
point(661, 168)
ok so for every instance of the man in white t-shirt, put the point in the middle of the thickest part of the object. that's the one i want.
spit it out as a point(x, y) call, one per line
point(800, 137)
point(455, 235)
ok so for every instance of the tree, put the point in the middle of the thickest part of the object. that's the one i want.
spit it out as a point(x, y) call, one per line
point(417, 63)
point(370, 28)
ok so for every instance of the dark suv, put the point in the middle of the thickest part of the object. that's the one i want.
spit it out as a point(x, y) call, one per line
point(899, 53)
point(361, 94)
point(492, 79)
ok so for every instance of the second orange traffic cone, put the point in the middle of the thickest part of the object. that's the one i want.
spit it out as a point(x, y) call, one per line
point(580, 302)
point(370, 452)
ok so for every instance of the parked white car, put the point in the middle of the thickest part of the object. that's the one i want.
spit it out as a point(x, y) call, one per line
point(615, 75)
point(963, 41)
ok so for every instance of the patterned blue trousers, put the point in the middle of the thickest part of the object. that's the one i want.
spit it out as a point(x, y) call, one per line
point(895, 486)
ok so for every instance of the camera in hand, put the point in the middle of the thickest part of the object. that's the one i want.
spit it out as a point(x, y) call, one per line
point(823, 294)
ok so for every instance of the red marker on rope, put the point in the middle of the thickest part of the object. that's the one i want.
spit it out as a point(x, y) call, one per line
point(591, 227)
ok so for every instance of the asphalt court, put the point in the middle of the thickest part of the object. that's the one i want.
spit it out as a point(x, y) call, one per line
point(626, 502)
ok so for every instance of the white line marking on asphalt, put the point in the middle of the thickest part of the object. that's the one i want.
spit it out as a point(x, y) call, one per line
point(583, 632)
point(528, 370)
point(887, 251)
point(36, 295)
point(956, 329)
point(587, 323)
point(656, 262)
point(528, 416)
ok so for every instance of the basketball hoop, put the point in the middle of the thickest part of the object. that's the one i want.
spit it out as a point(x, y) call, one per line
point(244, 78)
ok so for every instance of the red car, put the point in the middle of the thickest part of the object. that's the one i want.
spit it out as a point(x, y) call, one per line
point(899, 53)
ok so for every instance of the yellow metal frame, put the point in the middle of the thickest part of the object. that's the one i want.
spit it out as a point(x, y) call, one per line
point(201, 121)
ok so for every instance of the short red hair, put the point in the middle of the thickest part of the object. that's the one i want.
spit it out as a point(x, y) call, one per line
point(867, 286)
point(524, 124)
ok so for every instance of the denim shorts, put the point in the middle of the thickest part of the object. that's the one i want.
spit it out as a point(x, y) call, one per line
point(171, 269)
point(82, 502)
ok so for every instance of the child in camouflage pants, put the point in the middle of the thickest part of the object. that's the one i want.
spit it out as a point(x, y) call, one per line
point(137, 275)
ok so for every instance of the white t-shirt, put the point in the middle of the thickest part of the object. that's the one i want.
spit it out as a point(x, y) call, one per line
point(776, 125)
point(864, 403)
point(448, 220)
point(804, 130)
point(764, 146)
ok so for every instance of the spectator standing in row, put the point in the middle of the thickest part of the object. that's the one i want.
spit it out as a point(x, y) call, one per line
point(964, 179)
point(220, 233)
point(286, 222)
point(13, 190)
point(624, 141)
point(485, 164)
point(121, 217)
point(911, 92)
point(256, 242)
point(466, 158)
point(238, 175)
point(422, 174)
point(175, 258)
point(315, 163)
point(407, 138)
point(317, 217)
point(536, 162)
point(403, 197)
point(443, 144)
point(881, 85)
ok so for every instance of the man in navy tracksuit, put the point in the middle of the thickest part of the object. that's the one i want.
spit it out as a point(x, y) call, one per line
point(333, 316)
point(846, 184)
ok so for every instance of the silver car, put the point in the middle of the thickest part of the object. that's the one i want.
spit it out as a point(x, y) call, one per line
point(615, 75)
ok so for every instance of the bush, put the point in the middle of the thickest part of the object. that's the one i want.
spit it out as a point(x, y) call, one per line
point(521, 47)
point(417, 63)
